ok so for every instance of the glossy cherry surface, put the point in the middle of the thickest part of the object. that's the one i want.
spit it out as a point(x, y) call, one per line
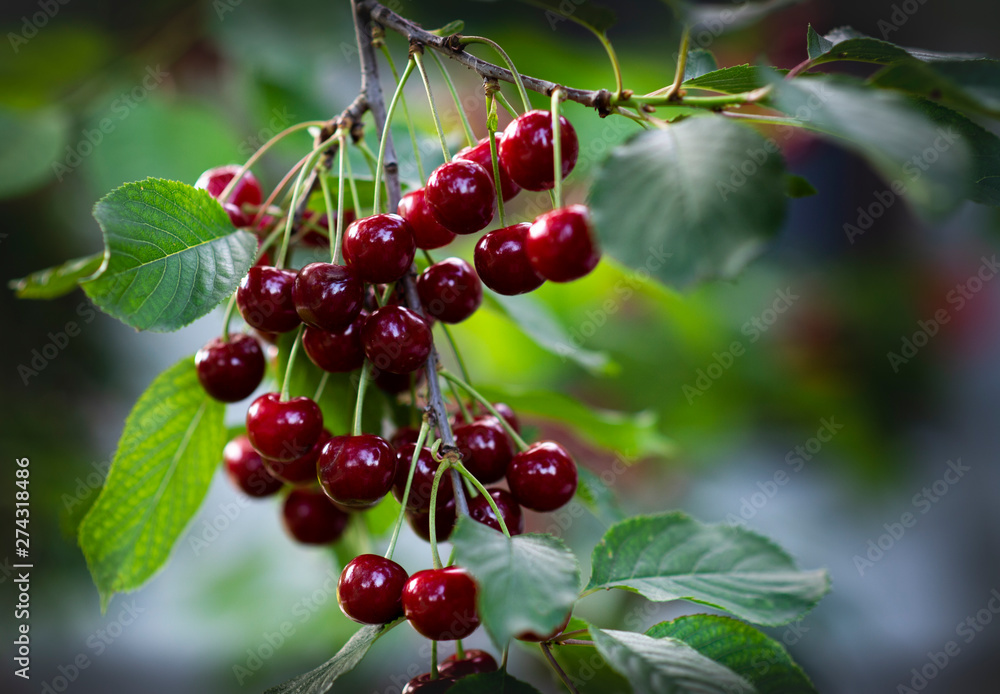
point(486, 450)
point(230, 371)
point(423, 479)
point(396, 339)
point(379, 249)
point(450, 290)
point(475, 662)
point(561, 244)
point(441, 603)
point(339, 351)
point(502, 261)
point(460, 194)
point(507, 412)
point(526, 150)
point(311, 518)
point(423, 684)
point(480, 154)
point(357, 471)
point(403, 436)
point(327, 296)
point(245, 468)
point(543, 477)
point(444, 521)
point(428, 232)
point(264, 298)
point(283, 430)
point(394, 384)
point(302, 470)
point(247, 190)
point(510, 511)
point(370, 589)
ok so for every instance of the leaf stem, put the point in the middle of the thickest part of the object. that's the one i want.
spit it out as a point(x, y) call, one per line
point(421, 438)
point(518, 441)
point(291, 362)
point(388, 122)
point(465, 40)
point(360, 403)
point(558, 668)
point(557, 96)
point(470, 137)
point(419, 59)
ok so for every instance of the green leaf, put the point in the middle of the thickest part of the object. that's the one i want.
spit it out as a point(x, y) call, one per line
point(665, 666)
point(321, 679)
point(749, 653)
point(33, 144)
point(168, 452)
point(699, 62)
point(586, 13)
point(527, 583)
point(846, 43)
point(720, 18)
point(498, 682)
point(798, 187)
point(887, 130)
point(730, 80)
point(674, 557)
point(171, 255)
point(816, 45)
point(972, 85)
point(712, 194)
point(598, 496)
point(452, 27)
point(53, 282)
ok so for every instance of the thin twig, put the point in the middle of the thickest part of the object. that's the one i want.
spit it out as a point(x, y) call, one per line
point(558, 668)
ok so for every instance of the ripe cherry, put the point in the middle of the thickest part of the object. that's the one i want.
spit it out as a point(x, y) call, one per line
point(302, 470)
point(427, 230)
point(543, 477)
point(246, 469)
point(357, 471)
point(444, 521)
point(475, 662)
point(283, 430)
point(479, 509)
point(502, 261)
point(394, 384)
point(507, 412)
point(379, 249)
point(339, 351)
point(423, 684)
point(264, 298)
point(460, 194)
point(423, 479)
point(247, 190)
point(441, 603)
point(450, 290)
point(403, 436)
point(311, 518)
point(327, 296)
point(526, 150)
point(230, 371)
point(480, 154)
point(370, 589)
point(396, 339)
point(561, 245)
point(486, 450)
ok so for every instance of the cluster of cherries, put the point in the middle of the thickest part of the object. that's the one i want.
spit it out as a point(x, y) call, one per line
point(344, 325)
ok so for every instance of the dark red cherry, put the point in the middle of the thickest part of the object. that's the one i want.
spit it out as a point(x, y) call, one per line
point(480, 154)
point(370, 589)
point(444, 521)
point(264, 298)
point(246, 469)
point(396, 339)
point(543, 477)
point(450, 290)
point(302, 470)
point(230, 371)
point(427, 230)
point(475, 662)
point(311, 518)
point(526, 150)
point(403, 436)
point(337, 352)
point(460, 194)
point(327, 296)
point(357, 471)
point(423, 684)
point(502, 261)
point(283, 430)
point(238, 217)
point(505, 411)
point(394, 384)
point(486, 450)
point(479, 509)
point(423, 479)
point(532, 636)
point(379, 249)
point(315, 239)
point(246, 191)
point(441, 603)
point(561, 244)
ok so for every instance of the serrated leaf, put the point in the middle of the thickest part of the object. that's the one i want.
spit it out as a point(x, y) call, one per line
point(699, 62)
point(665, 666)
point(166, 457)
point(171, 255)
point(798, 187)
point(321, 679)
point(675, 557)
point(968, 85)
point(498, 682)
point(730, 80)
point(34, 144)
point(527, 583)
point(53, 282)
point(721, 17)
point(846, 43)
point(586, 13)
point(738, 646)
point(712, 194)
point(452, 27)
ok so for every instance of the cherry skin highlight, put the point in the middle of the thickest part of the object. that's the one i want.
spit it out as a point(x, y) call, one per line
point(246, 470)
point(396, 339)
point(460, 194)
point(283, 430)
point(526, 152)
point(327, 296)
point(561, 245)
point(480, 154)
point(543, 477)
point(379, 249)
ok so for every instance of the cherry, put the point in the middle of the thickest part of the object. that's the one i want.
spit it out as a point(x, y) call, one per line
point(480, 154)
point(423, 479)
point(230, 371)
point(475, 662)
point(246, 191)
point(532, 636)
point(460, 194)
point(370, 589)
point(505, 411)
point(283, 430)
point(315, 239)
point(403, 436)
point(311, 518)
point(526, 150)
point(302, 470)
point(423, 684)
point(337, 352)
point(441, 603)
point(357, 471)
point(543, 477)
point(246, 469)
point(502, 261)
point(450, 290)
point(427, 230)
point(396, 339)
point(264, 298)
point(479, 509)
point(561, 244)
point(327, 296)
point(486, 450)
point(444, 521)
point(238, 217)
point(379, 249)
point(394, 384)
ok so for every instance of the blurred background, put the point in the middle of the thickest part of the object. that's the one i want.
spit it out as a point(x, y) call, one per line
point(770, 401)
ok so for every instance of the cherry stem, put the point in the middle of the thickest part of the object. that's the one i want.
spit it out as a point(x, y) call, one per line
point(432, 519)
point(281, 184)
point(296, 193)
point(434, 660)
point(322, 386)
point(421, 437)
point(799, 69)
point(458, 355)
point(573, 642)
point(557, 96)
point(506, 59)
point(406, 112)
point(328, 200)
point(486, 495)
point(521, 445)
point(506, 104)
point(558, 668)
point(228, 190)
point(286, 382)
point(459, 650)
point(613, 57)
point(470, 137)
point(491, 123)
point(419, 59)
point(570, 633)
point(385, 134)
point(682, 57)
point(355, 199)
point(360, 403)
point(228, 317)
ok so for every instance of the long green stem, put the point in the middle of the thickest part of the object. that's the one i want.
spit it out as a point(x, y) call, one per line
point(328, 200)
point(227, 191)
point(421, 437)
point(227, 317)
point(432, 516)
point(615, 65)
point(470, 137)
point(322, 386)
point(510, 65)
point(462, 409)
point(558, 669)
point(340, 198)
point(434, 660)
point(355, 198)
point(406, 113)
point(491, 126)
point(458, 355)
point(296, 193)
point(385, 134)
point(521, 445)
point(418, 57)
point(506, 104)
point(557, 97)
point(291, 363)
point(482, 490)
point(682, 57)
point(359, 405)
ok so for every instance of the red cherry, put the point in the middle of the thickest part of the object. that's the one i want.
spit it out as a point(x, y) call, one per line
point(283, 430)
point(396, 339)
point(264, 298)
point(327, 296)
point(450, 290)
point(502, 261)
point(543, 477)
point(427, 230)
point(480, 154)
point(423, 684)
point(423, 479)
point(526, 150)
point(561, 245)
point(246, 191)
point(370, 589)
point(479, 510)
point(379, 249)
point(474, 663)
point(357, 471)
point(441, 603)
point(337, 352)
point(486, 450)
point(403, 436)
point(505, 411)
point(394, 384)
point(230, 371)
point(311, 518)
point(460, 194)
point(246, 469)
point(302, 470)
point(444, 522)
